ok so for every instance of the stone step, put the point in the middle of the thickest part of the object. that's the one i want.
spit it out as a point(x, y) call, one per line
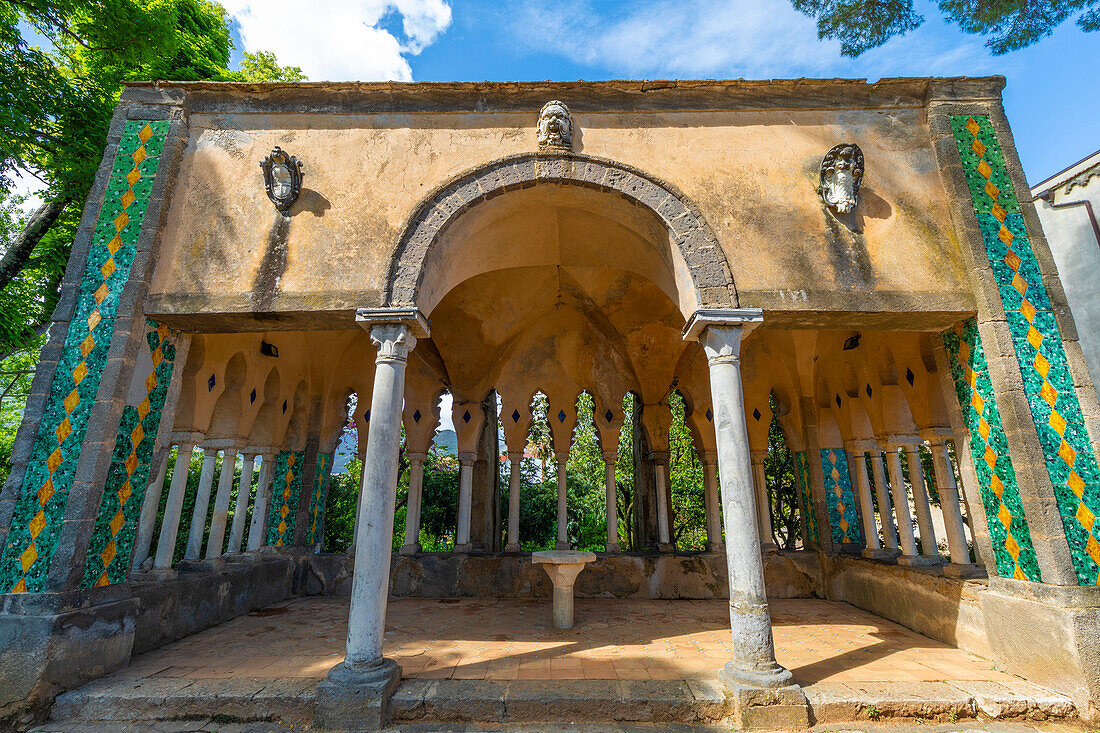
point(840, 702)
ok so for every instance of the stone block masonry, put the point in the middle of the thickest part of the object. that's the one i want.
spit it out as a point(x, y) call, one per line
point(40, 508)
point(1048, 384)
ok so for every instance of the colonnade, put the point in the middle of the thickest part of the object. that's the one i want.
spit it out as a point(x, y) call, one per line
point(158, 561)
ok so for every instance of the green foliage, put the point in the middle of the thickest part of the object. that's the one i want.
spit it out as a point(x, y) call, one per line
point(782, 480)
point(263, 67)
point(1009, 24)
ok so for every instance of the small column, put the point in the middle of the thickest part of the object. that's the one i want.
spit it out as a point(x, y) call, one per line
point(753, 665)
point(515, 462)
point(711, 501)
point(258, 528)
point(466, 463)
point(763, 506)
point(240, 508)
point(944, 473)
point(909, 554)
point(873, 548)
point(221, 504)
point(660, 473)
point(412, 508)
point(885, 506)
point(362, 472)
point(170, 526)
point(355, 693)
point(202, 503)
point(609, 458)
point(929, 550)
point(563, 497)
point(143, 539)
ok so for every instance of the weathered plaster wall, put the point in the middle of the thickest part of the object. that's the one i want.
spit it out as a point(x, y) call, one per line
point(752, 172)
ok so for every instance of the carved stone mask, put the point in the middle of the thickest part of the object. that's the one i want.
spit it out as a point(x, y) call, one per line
point(555, 128)
point(841, 174)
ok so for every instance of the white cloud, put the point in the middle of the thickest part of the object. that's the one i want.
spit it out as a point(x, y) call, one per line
point(753, 39)
point(341, 39)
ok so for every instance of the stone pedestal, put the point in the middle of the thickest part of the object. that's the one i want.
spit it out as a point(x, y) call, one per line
point(563, 567)
point(356, 698)
point(777, 708)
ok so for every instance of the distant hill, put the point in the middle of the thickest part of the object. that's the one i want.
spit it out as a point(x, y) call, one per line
point(446, 441)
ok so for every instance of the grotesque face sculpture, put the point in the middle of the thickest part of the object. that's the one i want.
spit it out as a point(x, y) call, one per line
point(555, 126)
point(841, 174)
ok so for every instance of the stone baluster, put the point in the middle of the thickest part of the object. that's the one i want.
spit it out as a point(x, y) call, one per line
point(240, 508)
point(466, 461)
point(515, 462)
point(612, 501)
point(150, 506)
point(872, 547)
point(170, 525)
point(763, 506)
point(258, 528)
point(660, 473)
point(221, 504)
point(202, 503)
point(909, 555)
point(885, 506)
point(412, 508)
point(944, 473)
point(711, 501)
point(929, 550)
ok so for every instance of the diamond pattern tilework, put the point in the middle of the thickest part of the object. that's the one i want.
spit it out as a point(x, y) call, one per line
point(113, 536)
point(40, 508)
point(321, 475)
point(844, 523)
point(1004, 510)
point(286, 492)
point(803, 467)
point(1048, 384)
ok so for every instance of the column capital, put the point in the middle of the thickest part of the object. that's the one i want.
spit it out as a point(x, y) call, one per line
point(708, 457)
point(610, 456)
point(394, 342)
point(741, 319)
point(417, 456)
point(758, 454)
point(894, 442)
point(467, 458)
point(515, 456)
point(860, 446)
point(411, 318)
point(936, 435)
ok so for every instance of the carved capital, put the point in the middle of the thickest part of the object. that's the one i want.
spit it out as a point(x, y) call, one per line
point(394, 342)
point(722, 344)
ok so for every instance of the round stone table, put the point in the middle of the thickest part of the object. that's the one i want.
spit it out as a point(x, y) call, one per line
point(563, 567)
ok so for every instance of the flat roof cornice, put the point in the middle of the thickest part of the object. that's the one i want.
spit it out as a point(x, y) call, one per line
point(581, 96)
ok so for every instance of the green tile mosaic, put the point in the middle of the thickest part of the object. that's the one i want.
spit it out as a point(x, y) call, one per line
point(804, 486)
point(120, 507)
point(1004, 512)
point(839, 499)
point(286, 491)
point(1048, 384)
point(40, 508)
point(321, 475)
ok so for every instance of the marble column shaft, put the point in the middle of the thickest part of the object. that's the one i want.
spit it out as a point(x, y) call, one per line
point(920, 503)
point(949, 504)
point(901, 503)
point(258, 528)
point(466, 463)
point(660, 474)
point(885, 506)
point(763, 506)
point(563, 498)
point(611, 500)
point(712, 502)
point(240, 507)
point(412, 508)
point(515, 463)
point(143, 539)
point(867, 506)
point(202, 504)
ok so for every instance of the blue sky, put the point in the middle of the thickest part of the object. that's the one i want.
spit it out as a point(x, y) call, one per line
point(1050, 96)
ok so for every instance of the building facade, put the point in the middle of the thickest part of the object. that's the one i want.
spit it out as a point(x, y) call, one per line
point(865, 257)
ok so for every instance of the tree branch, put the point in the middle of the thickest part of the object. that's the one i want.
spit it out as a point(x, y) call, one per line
point(17, 256)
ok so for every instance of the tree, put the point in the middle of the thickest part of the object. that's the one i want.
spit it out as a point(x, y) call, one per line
point(262, 66)
point(860, 25)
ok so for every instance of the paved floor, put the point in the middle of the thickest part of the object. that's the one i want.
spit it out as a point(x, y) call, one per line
point(819, 641)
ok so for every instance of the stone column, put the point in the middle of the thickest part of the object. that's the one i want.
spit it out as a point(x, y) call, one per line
point(885, 506)
point(563, 497)
point(711, 501)
point(202, 503)
point(258, 527)
point(412, 508)
point(660, 477)
point(515, 461)
point(929, 550)
point(466, 463)
point(763, 506)
point(170, 525)
point(909, 554)
point(944, 473)
point(873, 549)
point(753, 675)
point(143, 539)
point(240, 509)
point(609, 458)
point(221, 504)
point(355, 693)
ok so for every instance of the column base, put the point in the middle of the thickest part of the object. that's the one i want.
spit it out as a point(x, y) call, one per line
point(511, 547)
point(716, 547)
point(964, 570)
point(356, 698)
point(878, 553)
point(916, 561)
point(559, 545)
point(613, 547)
point(776, 704)
point(464, 547)
point(666, 547)
point(768, 547)
point(156, 575)
point(409, 549)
